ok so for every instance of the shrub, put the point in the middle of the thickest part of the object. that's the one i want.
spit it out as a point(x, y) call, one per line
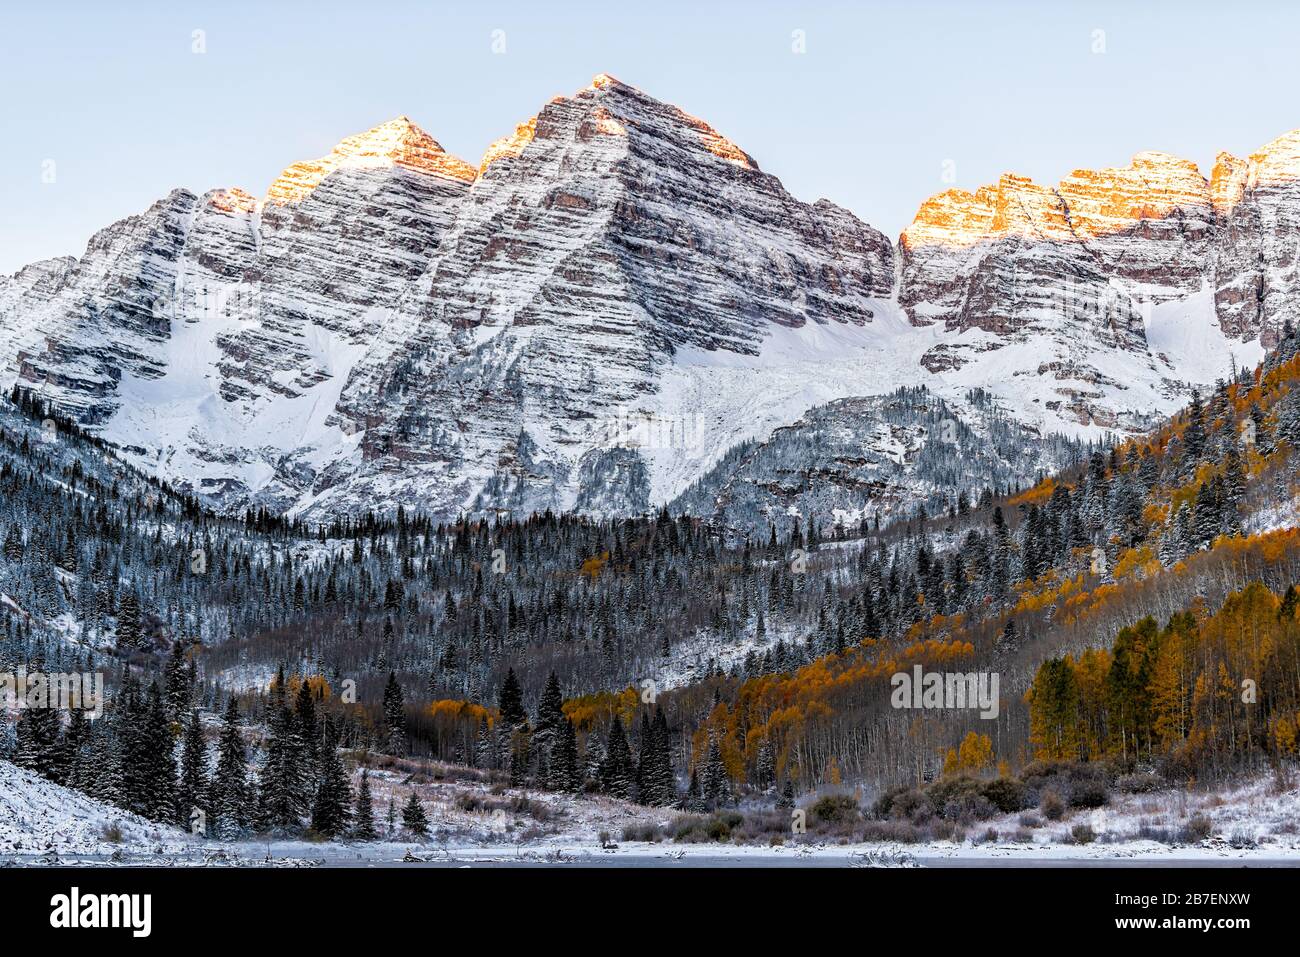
point(648, 833)
point(1083, 834)
point(1197, 829)
point(1242, 839)
point(1140, 782)
point(1006, 794)
point(884, 806)
point(942, 830)
point(911, 805)
point(901, 832)
point(1088, 793)
point(968, 808)
point(774, 825)
point(717, 830)
point(835, 809)
point(1149, 832)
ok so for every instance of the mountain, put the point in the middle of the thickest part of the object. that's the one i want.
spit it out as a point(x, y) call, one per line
point(874, 458)
point(614, 297)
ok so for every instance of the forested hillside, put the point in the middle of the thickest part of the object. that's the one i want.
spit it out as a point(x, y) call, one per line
point(1123, 602)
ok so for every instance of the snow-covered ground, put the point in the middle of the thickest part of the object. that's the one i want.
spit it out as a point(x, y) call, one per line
point(38, 816)
point(1255, 823)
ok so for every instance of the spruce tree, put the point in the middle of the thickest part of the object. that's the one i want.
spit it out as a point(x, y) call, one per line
point(330, 812)
point(564, 774)
point(394, 718)
point(129, 633)
point(38, 742)
point(617, 770)
point(306, 735)
point(229, 794)
point(281, 784)
point(644, 789)
point(550, 709)
point(178, 679)
point(193, 790)
point(511, 702)
point(413, 817)
point(715, 786)
point(363, 819)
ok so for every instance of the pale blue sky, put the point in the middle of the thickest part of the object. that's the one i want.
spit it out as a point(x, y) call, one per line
point(885, 93)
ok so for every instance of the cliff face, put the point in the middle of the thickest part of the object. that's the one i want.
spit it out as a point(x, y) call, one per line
point(1017, 255)
point(1149, 232)
point(611, 298)
point(609, 232)
point(1257, 245)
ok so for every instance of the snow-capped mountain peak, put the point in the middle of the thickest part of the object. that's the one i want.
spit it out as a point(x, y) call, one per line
point(615, 296)
point(399, 142)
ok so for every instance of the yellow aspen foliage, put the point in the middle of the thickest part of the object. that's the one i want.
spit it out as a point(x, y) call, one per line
point(833, 771)
point(951, 764)
point(975, 754)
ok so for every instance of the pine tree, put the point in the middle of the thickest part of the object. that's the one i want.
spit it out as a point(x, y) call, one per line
point(330, 812)
point(229, 794)
point(715, 786)
point(305, 741)
point(129, 634)
point(617, 771)
point(74, 751)
point(192, 794)
point(511, 702)
point(363, 819)
point(178, 681)
point(550, 709)
point(148, 760)
point(643, 788)
point(281, 783)
point(660, 782)
point(413, 817)
point(38, 742)
point(394, 718)
point(563, 765)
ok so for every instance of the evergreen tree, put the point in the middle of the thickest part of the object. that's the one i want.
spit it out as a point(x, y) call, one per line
point(363, 819)
point(330, 812)
point(281, 783)
point(511, 702)
point(192, 793)
point(563, 766)
point(617, 771)
point(413, 817)
point(179, 682)
point(38, 734)
point(715, 786)
point(229, 794)
point(394, 718)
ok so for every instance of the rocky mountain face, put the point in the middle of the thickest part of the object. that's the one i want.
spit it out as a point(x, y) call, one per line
point(610, 232)
point(859, 459)
point(614, 297)
point(1082, 269)
point(1257, 244)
